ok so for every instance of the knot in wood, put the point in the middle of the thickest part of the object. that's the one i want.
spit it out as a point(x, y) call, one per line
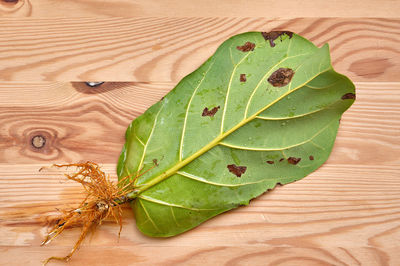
point(38, 141)
point(93, 83)
point(10, 1)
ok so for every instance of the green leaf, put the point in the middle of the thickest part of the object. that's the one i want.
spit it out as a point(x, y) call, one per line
point(221, 138)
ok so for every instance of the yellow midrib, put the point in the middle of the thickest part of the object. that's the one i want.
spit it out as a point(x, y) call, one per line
point(215, 142)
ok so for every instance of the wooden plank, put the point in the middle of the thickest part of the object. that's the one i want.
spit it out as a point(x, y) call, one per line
point(205, 8)
point(340, 214)
point(74, 122)
point(165, 49)
point(345, 213)
point(82, 123)
point(123, 255)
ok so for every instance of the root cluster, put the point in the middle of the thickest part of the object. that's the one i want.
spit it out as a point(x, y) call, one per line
point(103, 200)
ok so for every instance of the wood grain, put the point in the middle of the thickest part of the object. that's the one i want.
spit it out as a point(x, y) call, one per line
point(76, 123)
point(164, 49)
point(345, 213)
point(204, 8)
point(222, 255)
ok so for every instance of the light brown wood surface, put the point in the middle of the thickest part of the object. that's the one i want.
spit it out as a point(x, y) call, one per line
point(202, 8)
point(345, 213)
point(166, 49)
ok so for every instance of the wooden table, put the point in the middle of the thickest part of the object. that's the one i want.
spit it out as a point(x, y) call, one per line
point(345, 213)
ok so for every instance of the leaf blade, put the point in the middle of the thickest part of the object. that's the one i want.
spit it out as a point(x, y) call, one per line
point(193, 146)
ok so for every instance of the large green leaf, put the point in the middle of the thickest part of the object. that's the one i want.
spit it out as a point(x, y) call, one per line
point(250, 138)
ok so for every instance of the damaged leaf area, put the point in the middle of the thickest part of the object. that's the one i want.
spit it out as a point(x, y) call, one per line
point(248, 46)
point(254, 115)
point(211, 112)
point(273, 35)
point(237, 170)
point(349, 96)
point(281, 77)
point(293, 160)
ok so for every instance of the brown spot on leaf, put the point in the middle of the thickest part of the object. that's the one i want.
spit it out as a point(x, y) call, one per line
point(270, 162)
point(236, 170)
point(281, 159)
point(348, 96)
point(155, 161)
point(243, 78)
point(211, 112)
point(311, 158)
point(273, 35)
point(281, 77)
point(293, 160)
point(248, 46)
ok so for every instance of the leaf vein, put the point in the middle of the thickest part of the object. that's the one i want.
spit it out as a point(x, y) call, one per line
point(229, 89)
point(230, 53)
point(173, 216)
point(298, 116)
point(157, 201)
point(203, 180)
point(187, 111)
point(140, 141)
point(316, 145)
point(148, 139)
point(276, 149)
point(148, 216)
point(325, 87)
